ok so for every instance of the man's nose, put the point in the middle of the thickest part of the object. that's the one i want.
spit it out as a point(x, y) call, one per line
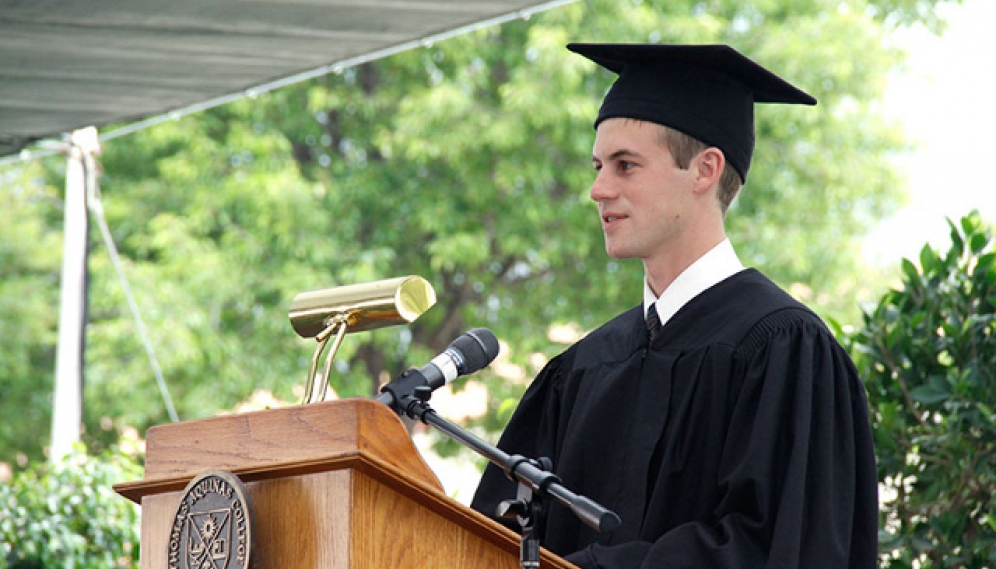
point(602, 188)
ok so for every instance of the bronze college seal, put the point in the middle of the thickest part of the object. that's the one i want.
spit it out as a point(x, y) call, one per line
point(211, 528)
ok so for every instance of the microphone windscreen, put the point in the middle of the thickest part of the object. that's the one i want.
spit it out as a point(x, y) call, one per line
point(478, 346)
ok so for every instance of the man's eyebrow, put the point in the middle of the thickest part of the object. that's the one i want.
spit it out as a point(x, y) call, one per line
point(622, 153)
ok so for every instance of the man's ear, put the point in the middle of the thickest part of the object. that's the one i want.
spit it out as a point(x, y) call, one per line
point(708, 166)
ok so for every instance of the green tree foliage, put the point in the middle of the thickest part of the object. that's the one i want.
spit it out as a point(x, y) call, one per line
point(30, 259)
point(465, 162)
point(67, 515)
point(928, 354)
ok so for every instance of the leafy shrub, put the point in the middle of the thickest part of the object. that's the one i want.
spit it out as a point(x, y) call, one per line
point(67, 515)
point(928, 355)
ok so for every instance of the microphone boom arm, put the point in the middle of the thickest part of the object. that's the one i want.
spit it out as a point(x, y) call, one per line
point(526, 471)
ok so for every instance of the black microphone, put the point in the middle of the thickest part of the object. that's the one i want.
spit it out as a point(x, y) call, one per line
point(469, 353)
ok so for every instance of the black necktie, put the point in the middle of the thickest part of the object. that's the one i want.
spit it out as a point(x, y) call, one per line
point(653, 322)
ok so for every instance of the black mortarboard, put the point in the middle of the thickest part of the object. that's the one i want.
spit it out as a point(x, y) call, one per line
point(705, 91)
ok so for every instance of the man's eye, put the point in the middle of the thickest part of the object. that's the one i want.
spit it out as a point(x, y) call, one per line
point(624, 165)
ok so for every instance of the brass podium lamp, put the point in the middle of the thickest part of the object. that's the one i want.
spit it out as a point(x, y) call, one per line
point(320, 314)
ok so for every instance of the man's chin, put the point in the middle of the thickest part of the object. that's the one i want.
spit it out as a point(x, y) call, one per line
point(618, 252)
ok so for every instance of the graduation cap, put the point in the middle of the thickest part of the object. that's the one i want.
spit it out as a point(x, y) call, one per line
point(705, 91)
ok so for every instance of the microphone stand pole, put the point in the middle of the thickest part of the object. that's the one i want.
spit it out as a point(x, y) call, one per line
point(536, 483)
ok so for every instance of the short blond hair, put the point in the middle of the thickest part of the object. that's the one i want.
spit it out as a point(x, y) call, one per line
point(684, 147)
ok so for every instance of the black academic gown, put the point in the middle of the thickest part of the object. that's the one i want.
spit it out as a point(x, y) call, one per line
point(739, 439)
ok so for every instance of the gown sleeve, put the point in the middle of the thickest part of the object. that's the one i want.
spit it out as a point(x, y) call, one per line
point(796, 482)
point(530, 432)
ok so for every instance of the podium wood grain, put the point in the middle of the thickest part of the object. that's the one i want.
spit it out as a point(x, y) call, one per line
point(333, 485)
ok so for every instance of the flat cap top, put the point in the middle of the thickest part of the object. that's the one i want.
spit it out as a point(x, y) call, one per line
point(706, 91)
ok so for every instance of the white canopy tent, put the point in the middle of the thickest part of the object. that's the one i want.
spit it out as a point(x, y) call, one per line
point(65, 65)
point(69, 67)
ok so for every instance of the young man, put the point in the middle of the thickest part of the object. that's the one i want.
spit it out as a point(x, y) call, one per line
point(721, 420)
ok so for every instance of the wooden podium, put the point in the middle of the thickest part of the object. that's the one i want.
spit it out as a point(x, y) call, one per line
point(333, 485)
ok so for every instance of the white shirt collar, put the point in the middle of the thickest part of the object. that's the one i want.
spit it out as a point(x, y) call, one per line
point(718, 264)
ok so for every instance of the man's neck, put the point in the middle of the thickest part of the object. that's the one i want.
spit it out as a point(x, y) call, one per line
point(661, 272)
